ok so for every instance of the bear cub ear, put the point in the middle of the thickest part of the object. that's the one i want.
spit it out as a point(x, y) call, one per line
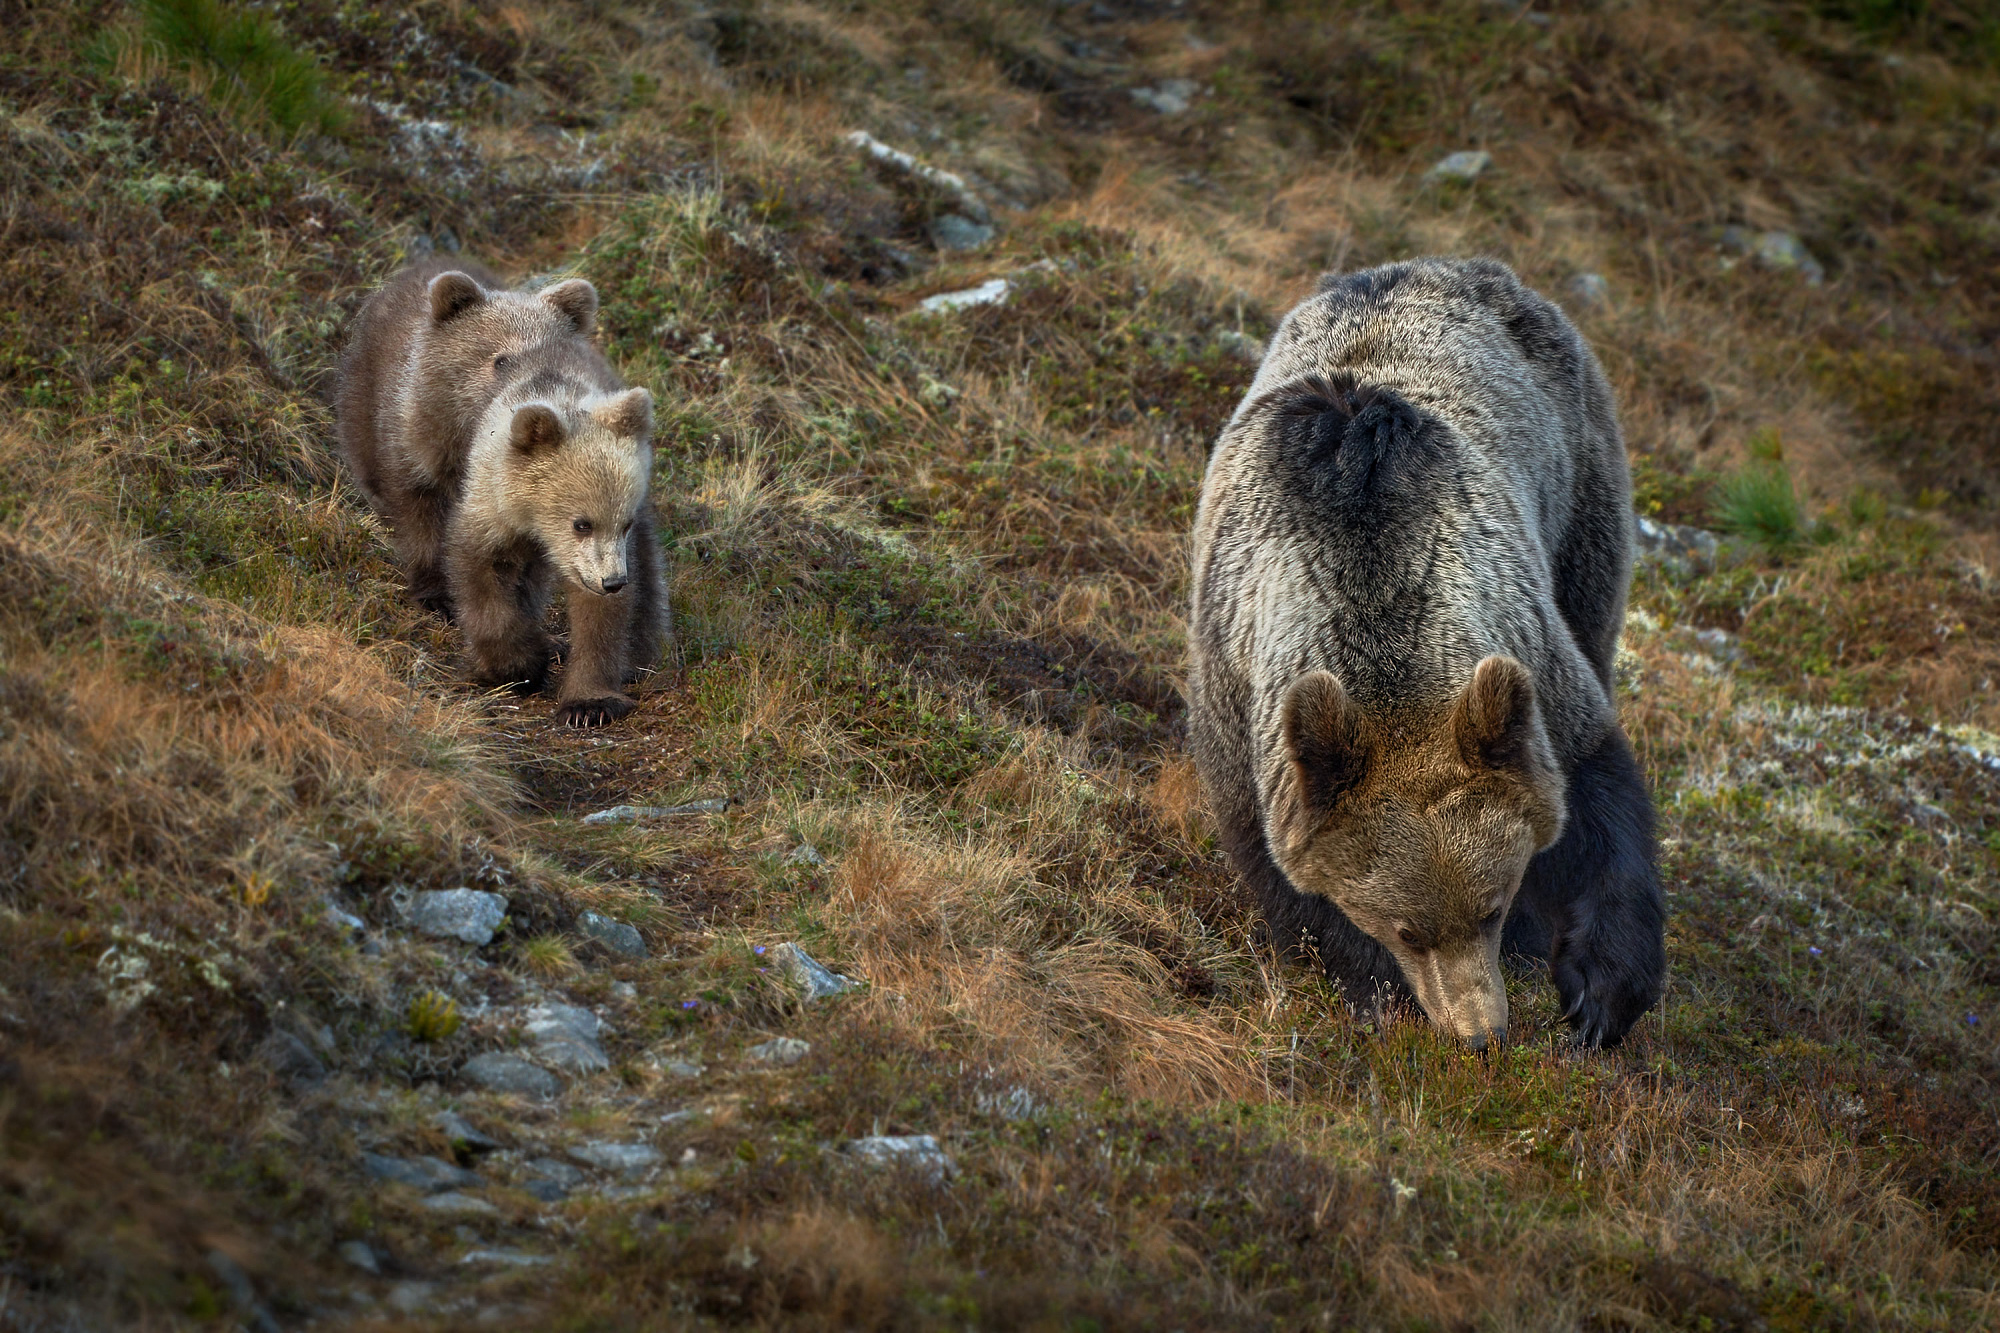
point(576, 300)
point(452, 294)
point(1495, 721)
point(536, 429)
point(628, 415)
point(1327, 751)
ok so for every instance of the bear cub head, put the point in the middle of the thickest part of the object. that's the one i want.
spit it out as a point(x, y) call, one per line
point(1420, 826)
point(575, 476)
point(479, 339)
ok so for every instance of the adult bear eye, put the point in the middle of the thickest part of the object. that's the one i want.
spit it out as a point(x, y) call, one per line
point(1492, 921)
point(1410, 938)
point(581, 527)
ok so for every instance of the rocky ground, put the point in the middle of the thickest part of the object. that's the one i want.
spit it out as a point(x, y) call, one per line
point(881, 970)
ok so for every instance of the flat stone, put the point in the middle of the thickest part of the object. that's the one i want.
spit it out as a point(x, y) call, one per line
point(460, 1131)
point(1170, 97)
point(633, 814)
point(290, 1058)
point(498, 1071)
point(621, 1157)
point(805, 854)
point(986, 293)
point(779, 1051)
point(555, 1171)
point(919, 1152)
point(904, 164)
point(1679, 548)
point(683, 1068)
point(566, 1036)
point(1589, 291)
point(545, 1191)
point(814, 980)
point(1467, 165)
point(425, 1173)
point(458, 1203)
point(358, 1253)
point(613, 935)
point(955, 231)
point(461, 914)
point(505, 1259)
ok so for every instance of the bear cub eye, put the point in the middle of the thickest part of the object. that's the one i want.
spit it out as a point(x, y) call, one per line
point(581, 527)
point(500, 364)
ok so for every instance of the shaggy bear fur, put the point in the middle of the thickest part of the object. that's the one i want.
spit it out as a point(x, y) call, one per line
point(501, 448)
point(1410, 568)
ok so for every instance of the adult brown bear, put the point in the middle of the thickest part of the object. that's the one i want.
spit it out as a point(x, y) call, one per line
point(1410, 569)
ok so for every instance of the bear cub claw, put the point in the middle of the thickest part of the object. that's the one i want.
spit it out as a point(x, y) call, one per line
point(593, 712)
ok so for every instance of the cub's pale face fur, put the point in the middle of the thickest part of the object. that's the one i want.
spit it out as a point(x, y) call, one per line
point(572, 474)
point(1420, 828)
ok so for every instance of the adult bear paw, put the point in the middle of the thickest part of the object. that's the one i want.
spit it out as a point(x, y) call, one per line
point(1601, 1000)
point(593, 712)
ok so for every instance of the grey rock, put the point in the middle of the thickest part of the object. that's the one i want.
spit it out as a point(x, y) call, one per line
point(1719, 644)
point(504, 1259)
point(779, 1051)
point(344, 919)
point(632, 814)
point(613, 935)
point(1679, 548)
point(291, 1058)
point(993, 292)
point(461, 1204)
point(1776, 250)
point(918, 1152)
point(462, 914)
point(566, 1037)
point(625, 1158)
point(460, 1131)
point(498, 1071)
point(805, 854)
point(955, 231)
point(1589, 291)
point(425, 1173)
point(814, 980)
point(555, 1171)
point(358, 1253)
point(1237, 343)
point(1467, 165)
point(903, 164)
point(1170, 97)
point(1014, 1103)
point(547, 1191)
point(683, 1068)
point(411, 1297)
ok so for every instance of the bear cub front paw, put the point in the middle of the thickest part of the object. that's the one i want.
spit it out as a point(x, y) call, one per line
point(593, 712)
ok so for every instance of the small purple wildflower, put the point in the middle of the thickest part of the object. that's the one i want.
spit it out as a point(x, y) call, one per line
point(1813, 950)
point(759, 950)
point(1972, 1020)
point(689, 1004)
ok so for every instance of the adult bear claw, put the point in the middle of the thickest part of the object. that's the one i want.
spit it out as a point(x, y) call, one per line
point(1600, 1007)
point(593, 712)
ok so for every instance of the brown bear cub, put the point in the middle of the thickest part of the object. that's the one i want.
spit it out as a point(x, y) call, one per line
point(1410, 569)
point(501, 448)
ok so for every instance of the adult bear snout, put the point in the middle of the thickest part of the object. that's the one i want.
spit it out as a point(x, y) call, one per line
point(614, 583)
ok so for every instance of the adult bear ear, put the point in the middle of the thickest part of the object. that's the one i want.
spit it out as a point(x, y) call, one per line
point(452, 294)
point(1496, 722)
point(536, 430)
point(576, 300)
point(629, 414)
point(1326, 754)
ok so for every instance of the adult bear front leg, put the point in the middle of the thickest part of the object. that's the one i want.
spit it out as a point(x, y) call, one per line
point(600, 630)
point(500, 613)
point(1597, 891)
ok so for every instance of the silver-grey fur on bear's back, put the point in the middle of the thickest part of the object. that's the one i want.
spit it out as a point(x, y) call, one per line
point(1427, 472)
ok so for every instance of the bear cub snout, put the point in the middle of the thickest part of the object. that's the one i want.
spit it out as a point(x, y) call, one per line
point(504, 453)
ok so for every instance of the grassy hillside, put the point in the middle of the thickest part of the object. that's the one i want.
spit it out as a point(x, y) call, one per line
point(928, 577)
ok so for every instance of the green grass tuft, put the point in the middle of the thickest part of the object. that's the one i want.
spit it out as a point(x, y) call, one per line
point(433, 1017)
point(250, 66)
point(1760, 503)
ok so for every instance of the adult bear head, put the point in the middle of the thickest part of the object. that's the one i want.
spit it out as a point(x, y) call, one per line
point(1419, 826)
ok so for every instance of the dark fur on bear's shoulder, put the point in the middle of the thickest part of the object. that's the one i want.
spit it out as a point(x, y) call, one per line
point(1427, 473)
